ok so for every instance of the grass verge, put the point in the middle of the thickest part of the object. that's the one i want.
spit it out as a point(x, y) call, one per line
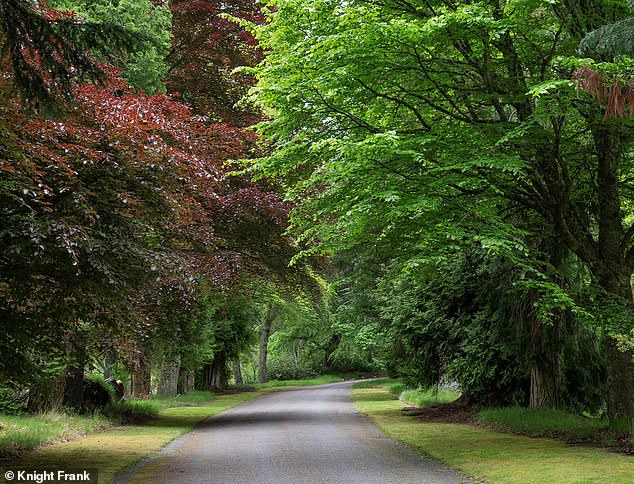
point(488, 455)
point(23, 432)
point(539, 422)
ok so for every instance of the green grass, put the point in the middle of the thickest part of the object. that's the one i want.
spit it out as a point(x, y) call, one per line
point(487, 455)
point(432, 396)
point(396, 388)
point(191, 399)
point(376, 382)
point(19, 433)
point(131, 411)
point(318, 380)
point(542, 421)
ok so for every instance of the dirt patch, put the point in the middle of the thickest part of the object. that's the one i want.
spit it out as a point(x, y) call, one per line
point(455, 413)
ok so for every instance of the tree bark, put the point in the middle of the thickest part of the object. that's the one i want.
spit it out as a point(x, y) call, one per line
point(74, 374)
point(329, 348)
point(546, 384)
point(186, 381)
point(108, 363)
point(620, 365)
point(168, 381)
point(216, 377)
point(613, 272)
point(546, 343)
point(141, 378)
point(237, 372)
point(264, 343)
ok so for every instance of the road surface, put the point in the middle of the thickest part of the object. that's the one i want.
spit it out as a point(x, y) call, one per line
point(309, 435)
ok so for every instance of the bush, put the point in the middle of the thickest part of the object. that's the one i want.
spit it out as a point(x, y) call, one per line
point(9, 402)
point(287, 368)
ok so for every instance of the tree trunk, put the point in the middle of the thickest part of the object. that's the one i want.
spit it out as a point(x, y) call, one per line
point(620, 387)
point(186, 381)
point(74, 379)
point(216, 377)
point(330, 347)
point(237, 372)
point(546, 383)
point(612, 268)
point(140, 378)
point(108, 363)
point(546, 343)
point(168, 381)
point(264, 344)
point(620, 366)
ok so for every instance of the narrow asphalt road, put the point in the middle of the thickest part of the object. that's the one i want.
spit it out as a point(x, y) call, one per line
point(309, 435)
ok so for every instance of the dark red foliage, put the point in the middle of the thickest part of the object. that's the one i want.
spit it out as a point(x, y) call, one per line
point(207, 48)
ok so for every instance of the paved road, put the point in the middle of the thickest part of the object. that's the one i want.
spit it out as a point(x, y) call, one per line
point(310, 435)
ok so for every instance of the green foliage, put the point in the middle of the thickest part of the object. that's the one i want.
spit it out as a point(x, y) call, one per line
point(285, 367)
point(143, 66)
point(613, 40)
point(9, 401)
point(540, 422)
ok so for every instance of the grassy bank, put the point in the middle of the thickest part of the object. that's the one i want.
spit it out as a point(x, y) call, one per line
point(539, 422)
point(488, 455)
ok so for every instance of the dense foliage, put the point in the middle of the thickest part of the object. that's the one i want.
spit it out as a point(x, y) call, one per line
point(440, 189)
point(428, 131)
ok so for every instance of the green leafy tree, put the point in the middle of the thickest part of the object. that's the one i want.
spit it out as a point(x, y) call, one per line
point(143, 62)
point(432, 123)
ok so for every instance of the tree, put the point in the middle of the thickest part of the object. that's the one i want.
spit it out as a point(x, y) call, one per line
point(142, 64)
point(436, 122)
point(46, 51)
point(207, 47)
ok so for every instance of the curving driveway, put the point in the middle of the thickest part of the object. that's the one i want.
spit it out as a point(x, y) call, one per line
point(308, 435)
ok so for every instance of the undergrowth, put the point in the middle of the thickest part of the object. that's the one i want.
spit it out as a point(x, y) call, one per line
point(420, 397)
point(538, 422)
point(23, 432)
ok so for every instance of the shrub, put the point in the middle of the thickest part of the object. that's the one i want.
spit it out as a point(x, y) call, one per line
point(9, 402)
point(287, 368)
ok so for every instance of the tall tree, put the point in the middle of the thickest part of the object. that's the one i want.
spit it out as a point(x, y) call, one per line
point(436, 120)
